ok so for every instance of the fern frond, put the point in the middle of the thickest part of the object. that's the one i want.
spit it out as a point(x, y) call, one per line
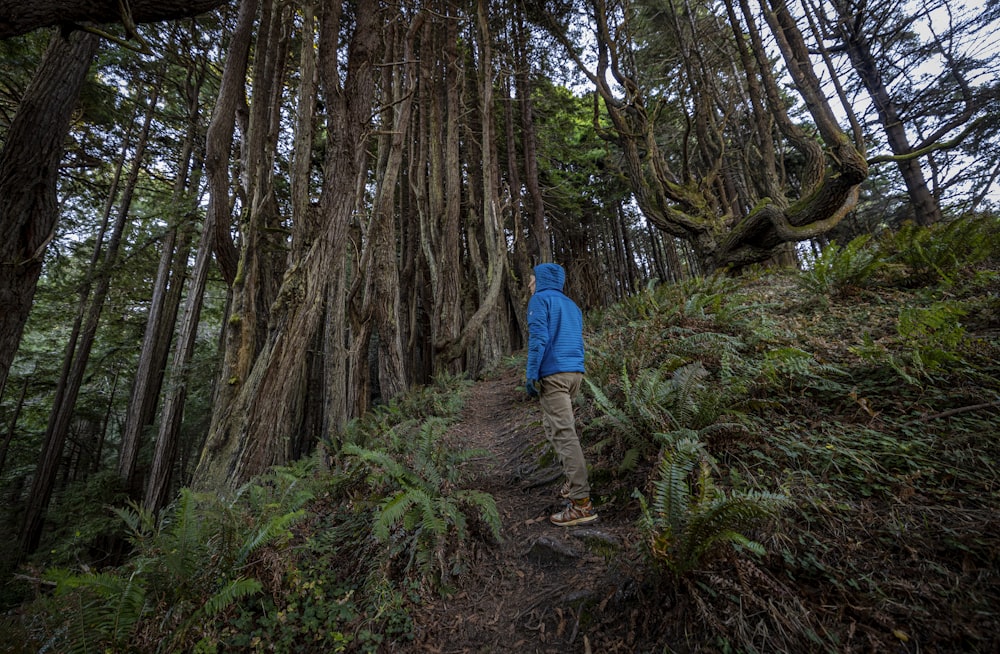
point(688, 517)
point(274, 527)
point(139, 521)
point(180, 531)
point(606, 406)
point(670, 503)
point(720, 519)
point(431, 514)
point(230, 593)
point(629, 460)
point(394, 471)
point(487, 506)
point(392, 511)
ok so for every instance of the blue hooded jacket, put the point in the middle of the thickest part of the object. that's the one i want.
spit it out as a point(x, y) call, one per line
point(555, 326)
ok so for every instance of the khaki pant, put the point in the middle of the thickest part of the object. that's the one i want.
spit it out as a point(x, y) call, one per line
point(556, 393)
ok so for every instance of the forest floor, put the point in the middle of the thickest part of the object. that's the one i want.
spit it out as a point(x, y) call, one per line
point(543, 588)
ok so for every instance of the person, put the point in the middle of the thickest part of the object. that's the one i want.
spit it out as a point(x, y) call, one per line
point(554, 373)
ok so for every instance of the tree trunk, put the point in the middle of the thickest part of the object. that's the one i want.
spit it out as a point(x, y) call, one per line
point(925, 207)
point(304, 217)
point(219, 140)
point(65, 401)
point(262, 256)
point(398, 83)
point(485, 330)
point(437, 184)
point(29, 166)
point(165, 302)
point(165, 447)
point(516, 286)
point(218, 146)
point(255, 430)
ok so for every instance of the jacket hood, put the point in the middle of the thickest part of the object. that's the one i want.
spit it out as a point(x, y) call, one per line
point(549, 276)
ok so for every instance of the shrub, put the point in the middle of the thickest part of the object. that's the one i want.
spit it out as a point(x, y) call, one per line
point(197, 560)
point(422, 510)
point(928, 340)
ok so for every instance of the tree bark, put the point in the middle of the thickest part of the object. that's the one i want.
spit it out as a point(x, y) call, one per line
point(23, 16)
point(219, 140)
point(29, 167)
point(485, 331)
point(400, 83)
point(436, 180)
point(255, 432)
point(263, 254)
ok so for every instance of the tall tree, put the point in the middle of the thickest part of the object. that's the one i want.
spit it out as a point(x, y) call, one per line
point(78, 351)
point(29, 168)
point(921, 115)
point(170, 275)
point(382, 286)
point(29, 162)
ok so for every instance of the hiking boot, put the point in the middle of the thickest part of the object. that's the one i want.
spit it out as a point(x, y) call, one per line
point(575, 514)
point(564, 491)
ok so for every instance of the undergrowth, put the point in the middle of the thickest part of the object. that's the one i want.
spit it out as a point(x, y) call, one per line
point(811, 462)
point(328, 555)
point(860, 401)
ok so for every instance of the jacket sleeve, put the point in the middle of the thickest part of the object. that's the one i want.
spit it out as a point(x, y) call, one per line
point(538, 335)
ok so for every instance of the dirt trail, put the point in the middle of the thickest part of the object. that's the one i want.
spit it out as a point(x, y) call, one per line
point(543, 588)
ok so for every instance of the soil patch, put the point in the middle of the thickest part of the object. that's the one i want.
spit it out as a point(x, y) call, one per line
point(543, 588)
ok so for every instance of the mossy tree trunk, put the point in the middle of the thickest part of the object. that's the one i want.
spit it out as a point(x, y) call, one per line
point(255, 429)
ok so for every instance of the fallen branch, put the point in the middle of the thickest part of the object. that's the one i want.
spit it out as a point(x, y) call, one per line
point(952, 412)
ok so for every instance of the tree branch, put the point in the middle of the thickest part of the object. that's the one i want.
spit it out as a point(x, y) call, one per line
point(916, 154)
point(19, 17)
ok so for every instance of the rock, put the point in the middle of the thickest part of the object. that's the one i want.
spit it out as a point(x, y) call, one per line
point(598, 540)
point(547, 551)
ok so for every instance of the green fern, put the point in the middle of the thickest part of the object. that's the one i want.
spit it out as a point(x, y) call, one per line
point(660, 401)
point(269, 532)
point(229, 594)
point(839, 271)
point(928, 340)
point(195, 560)
point(422, 511)
point(688, 518)
point(937, 253)
point(109, 607)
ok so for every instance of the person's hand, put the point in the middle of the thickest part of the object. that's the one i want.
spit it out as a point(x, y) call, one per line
point(529, 386)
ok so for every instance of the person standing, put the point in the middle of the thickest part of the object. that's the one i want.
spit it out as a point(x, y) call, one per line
point(554, 373)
